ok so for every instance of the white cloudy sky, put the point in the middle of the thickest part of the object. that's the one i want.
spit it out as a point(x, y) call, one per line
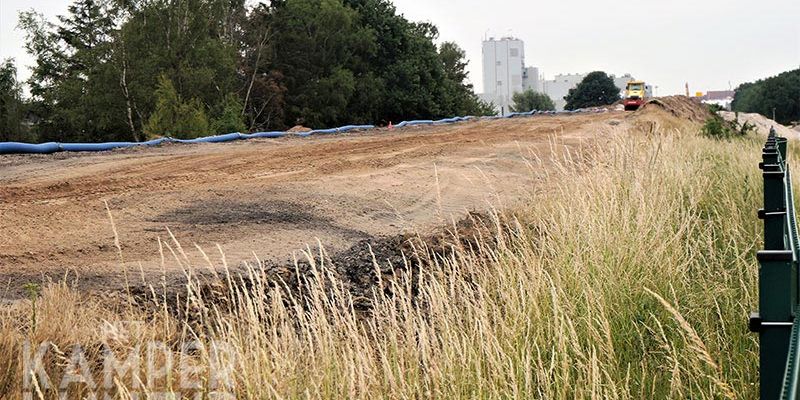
point(709, 43)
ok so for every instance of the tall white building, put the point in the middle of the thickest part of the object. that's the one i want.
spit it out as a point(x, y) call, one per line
point(504, 71)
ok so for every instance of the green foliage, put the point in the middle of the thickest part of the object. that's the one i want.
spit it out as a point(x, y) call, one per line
point(460, 98)
point(32, 290)
point(316, 40)
point(746, 128)
point(715, 108)
point(316, 62)
point(12, 107)
point(780, 94)
point(229, 116)
point(174, 117)
point(264, 90)
point(531, 100)
point(74, 86)
point(718, 128)
point(596, 89)
point(200, 57)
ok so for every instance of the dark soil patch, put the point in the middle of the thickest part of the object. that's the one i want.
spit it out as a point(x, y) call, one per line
point(215, 212)
point(357, 268)
point(209, 213)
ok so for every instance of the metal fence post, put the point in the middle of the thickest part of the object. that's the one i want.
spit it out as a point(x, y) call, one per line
point(777, 275)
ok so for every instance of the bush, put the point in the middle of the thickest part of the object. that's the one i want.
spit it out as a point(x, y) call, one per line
point(715, 127)
point(174, 117)
point(718, 128)
point(747, 128)
point(530, 100)
point(596, 89)
point(229, 116)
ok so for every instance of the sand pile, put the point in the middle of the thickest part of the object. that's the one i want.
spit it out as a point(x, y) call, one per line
point(298, 128)
point(762, 123)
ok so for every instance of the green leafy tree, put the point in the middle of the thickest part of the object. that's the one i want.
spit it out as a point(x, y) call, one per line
point(460, 98)
point(75, 88)
point(11, 104)
point(193, 42)
point(416, 81)
point(596, 89)
point(229, 116)
point(174, 117)
point(317, 43)
point(408, 76)
point(316, 62)
point(779, 94)
point(531, 100)
point(264, 89)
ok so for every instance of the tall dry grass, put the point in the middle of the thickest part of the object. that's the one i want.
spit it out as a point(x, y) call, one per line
point(630, 279)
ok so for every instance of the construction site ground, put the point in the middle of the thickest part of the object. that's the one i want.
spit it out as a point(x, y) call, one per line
point(267, 199)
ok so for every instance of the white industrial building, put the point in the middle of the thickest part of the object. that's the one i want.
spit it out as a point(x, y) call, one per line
point(722, 98)
point(559, 86)
point(505, 73)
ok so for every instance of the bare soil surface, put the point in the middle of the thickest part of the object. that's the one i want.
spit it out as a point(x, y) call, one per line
point(266, 199)
point(762, 124)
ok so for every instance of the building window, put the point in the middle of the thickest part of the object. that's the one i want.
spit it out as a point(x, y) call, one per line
point(499, 83)
point(514, 52)
point(499, 63)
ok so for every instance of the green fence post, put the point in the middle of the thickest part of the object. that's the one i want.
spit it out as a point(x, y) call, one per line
point(777, 275)
point(775, 305)
point(774, 211)
point(782, 143)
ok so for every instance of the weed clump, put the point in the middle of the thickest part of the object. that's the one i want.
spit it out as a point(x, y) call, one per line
point(716, 127)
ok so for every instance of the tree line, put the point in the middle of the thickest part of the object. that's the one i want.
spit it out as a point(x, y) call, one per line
point(134, 69)
point(779, 94)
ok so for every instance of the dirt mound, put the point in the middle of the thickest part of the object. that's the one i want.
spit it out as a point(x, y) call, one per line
point(361, 269)
point(681, 107)
point(299, 128)
point(762, 123)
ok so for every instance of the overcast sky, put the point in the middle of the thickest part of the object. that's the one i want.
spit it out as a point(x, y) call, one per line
point(711, 44)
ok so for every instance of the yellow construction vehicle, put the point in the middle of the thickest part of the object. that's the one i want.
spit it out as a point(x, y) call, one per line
point(636, 94)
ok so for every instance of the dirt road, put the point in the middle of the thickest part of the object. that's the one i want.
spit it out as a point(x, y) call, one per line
point(262, 198)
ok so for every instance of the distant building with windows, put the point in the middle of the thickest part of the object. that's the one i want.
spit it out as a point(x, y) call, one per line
point(722, 98)
point(559, 86)
point(505, 73)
